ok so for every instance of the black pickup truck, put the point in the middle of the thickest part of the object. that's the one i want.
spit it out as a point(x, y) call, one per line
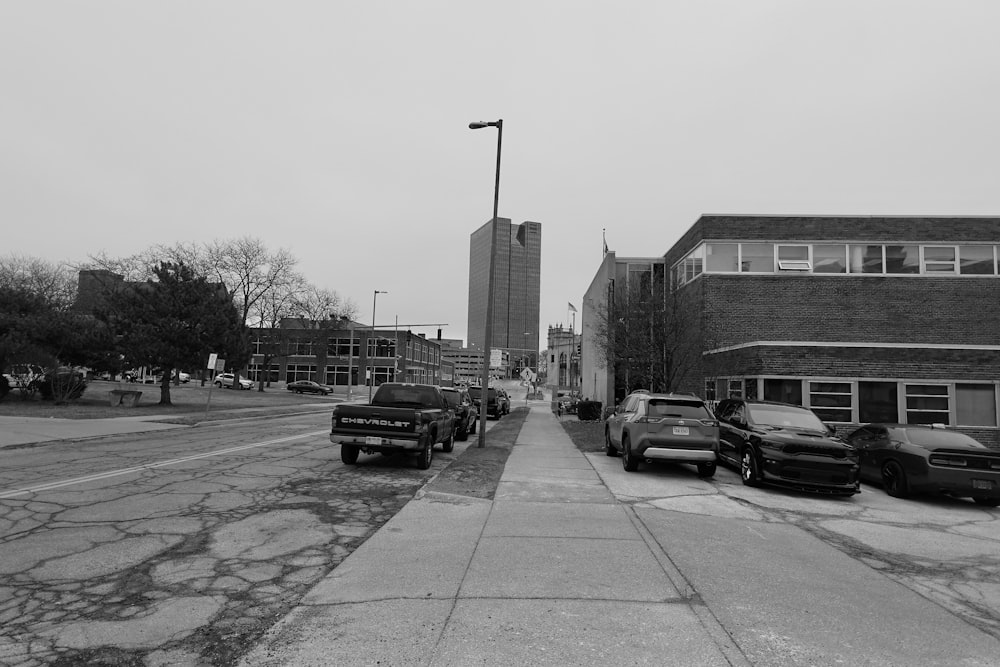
point(400, 418)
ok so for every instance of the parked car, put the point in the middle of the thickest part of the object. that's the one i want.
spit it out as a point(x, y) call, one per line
point(494, 404)
point(183, 377)
point(663, 427)
point(466, 414)
point(309, 387)
point(228, 380)
point(567, 401)
point(786, 445)
point(504, 399)
point(910, 458)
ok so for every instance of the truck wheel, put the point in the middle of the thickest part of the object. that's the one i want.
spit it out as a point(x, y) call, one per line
point(448, 444)
point(425, 456)
point(349, 454)
point(462, 435)
point(474, 425)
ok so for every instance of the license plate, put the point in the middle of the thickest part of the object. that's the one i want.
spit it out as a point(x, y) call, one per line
point(681, 430)
point(372, 440)
point(982, 484)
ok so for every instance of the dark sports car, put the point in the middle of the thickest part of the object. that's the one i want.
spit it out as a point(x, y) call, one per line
point(309, 387)
point(908, 458)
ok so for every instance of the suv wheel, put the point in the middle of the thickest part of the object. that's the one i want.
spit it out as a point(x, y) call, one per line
point(706, 469)
point(609, 449)
point(629, 462)
point(894, 480)
point(748, 468)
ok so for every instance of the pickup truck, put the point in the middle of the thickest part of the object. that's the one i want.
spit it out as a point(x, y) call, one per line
point(401, 417)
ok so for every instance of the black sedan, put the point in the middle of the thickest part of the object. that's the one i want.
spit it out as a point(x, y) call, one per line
point(786, 445)
point(908, 458)
point(309, 387)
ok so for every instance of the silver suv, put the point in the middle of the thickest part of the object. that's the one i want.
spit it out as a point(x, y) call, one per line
point(663, 427)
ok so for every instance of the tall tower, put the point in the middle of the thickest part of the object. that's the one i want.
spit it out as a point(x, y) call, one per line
point(517, 270)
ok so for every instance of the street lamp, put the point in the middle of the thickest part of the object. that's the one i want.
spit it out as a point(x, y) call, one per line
point(350, 352)
point(488, 334)
point(371, 360)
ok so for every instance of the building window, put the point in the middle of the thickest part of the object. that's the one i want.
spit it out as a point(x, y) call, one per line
point(255, 345)
point(735, 388)
point(940, 259)
point(381, 347)
point(342, 347)
point(757, 257)
point(783, 391)
point(300, 372)
point(254, 372)
point(975, 405)
point(709, 390)
point(794, 258)
point(902, 259)
point(866, 258)
point(976, 260)
point(337, 375)
point(927, 404)
point(383, 374)
point(830, 259)
point(831, 401)
point(722, 257)
point(878, 402)
point(300, 347)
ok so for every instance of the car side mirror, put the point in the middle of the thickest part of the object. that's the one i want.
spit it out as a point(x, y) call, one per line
point(830, 428)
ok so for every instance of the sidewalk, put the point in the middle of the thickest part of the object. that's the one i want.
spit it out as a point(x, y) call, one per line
point(552, 571)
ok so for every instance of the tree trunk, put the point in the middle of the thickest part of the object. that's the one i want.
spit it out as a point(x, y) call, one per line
point(165, 390)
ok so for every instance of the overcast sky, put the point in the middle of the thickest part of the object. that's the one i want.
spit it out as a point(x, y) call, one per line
point(339, 130)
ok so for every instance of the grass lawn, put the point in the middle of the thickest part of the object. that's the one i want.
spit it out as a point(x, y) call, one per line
point(185, 399)
point(588, 436)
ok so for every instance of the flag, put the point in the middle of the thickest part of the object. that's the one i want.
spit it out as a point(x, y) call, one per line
point(572, 309)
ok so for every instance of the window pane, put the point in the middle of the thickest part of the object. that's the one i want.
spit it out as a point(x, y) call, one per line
point(757, 257)
point(722, 257)
point(939, 254)
point(799, 252)
point(877, 402)
point(830, 259)
point(976, 259)
point(866, 258)
point(975, 405)
point(927, 404)
point(902, 259)
point(784, 391)
point(926, 390)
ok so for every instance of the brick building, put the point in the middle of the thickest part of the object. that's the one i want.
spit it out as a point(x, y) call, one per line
point(860, 318)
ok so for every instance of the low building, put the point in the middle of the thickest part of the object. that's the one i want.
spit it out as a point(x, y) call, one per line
point(862, 318)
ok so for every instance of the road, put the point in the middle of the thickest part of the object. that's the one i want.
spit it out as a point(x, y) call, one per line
point(212, 533)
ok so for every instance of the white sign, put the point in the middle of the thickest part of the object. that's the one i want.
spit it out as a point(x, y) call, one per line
point(211, 361)
point(496, 358)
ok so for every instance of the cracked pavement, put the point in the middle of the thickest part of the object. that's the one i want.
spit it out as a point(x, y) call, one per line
point(188, 562)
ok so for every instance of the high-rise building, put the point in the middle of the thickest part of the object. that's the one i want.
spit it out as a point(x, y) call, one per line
point(517, 270)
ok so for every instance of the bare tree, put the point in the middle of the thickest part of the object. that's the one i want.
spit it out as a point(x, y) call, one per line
point(318, 305)
point(54, 283)
point(249, 270)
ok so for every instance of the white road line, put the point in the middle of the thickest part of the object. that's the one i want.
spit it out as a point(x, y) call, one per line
point(148, 466)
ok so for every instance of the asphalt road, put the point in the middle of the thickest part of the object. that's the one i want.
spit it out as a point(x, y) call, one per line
point(211, 532)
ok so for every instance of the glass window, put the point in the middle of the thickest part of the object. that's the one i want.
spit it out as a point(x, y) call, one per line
point(794, 258)
point(300, 372)
point(831, 401)
point(866, 258)
point(939, 259)
point(736, 389)
point(722, 257)
point(783, 391)
point(830, 259)
point(976, 260)
point(976, 404)
point(902, 259)
point(877, 402)
point(757, 258)
point(927, 404)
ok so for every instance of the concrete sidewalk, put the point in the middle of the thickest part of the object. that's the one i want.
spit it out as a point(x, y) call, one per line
point(536, 576)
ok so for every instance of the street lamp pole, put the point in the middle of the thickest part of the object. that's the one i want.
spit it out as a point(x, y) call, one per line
point(488, 334)
point(371, 360)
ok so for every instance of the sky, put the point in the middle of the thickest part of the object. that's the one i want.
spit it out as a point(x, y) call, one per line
point(339, 130)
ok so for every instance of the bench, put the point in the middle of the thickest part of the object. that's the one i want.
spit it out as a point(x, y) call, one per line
point(125, 397)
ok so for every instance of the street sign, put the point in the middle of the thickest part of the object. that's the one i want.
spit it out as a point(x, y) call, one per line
point(496, 358)
point(211, 361)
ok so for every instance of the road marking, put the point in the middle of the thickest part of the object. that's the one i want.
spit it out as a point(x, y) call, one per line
point(149, 466)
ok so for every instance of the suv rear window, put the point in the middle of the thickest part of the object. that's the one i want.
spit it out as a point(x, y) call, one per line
point(661, 407)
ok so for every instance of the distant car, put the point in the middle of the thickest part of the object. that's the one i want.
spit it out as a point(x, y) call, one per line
point(184, 377)
point(227, 380)
point(909, 458)
point(494, 402)
point(466, 414)
point(785, 445)
point(567, 401)
point(309, 387)
point(663, 427)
